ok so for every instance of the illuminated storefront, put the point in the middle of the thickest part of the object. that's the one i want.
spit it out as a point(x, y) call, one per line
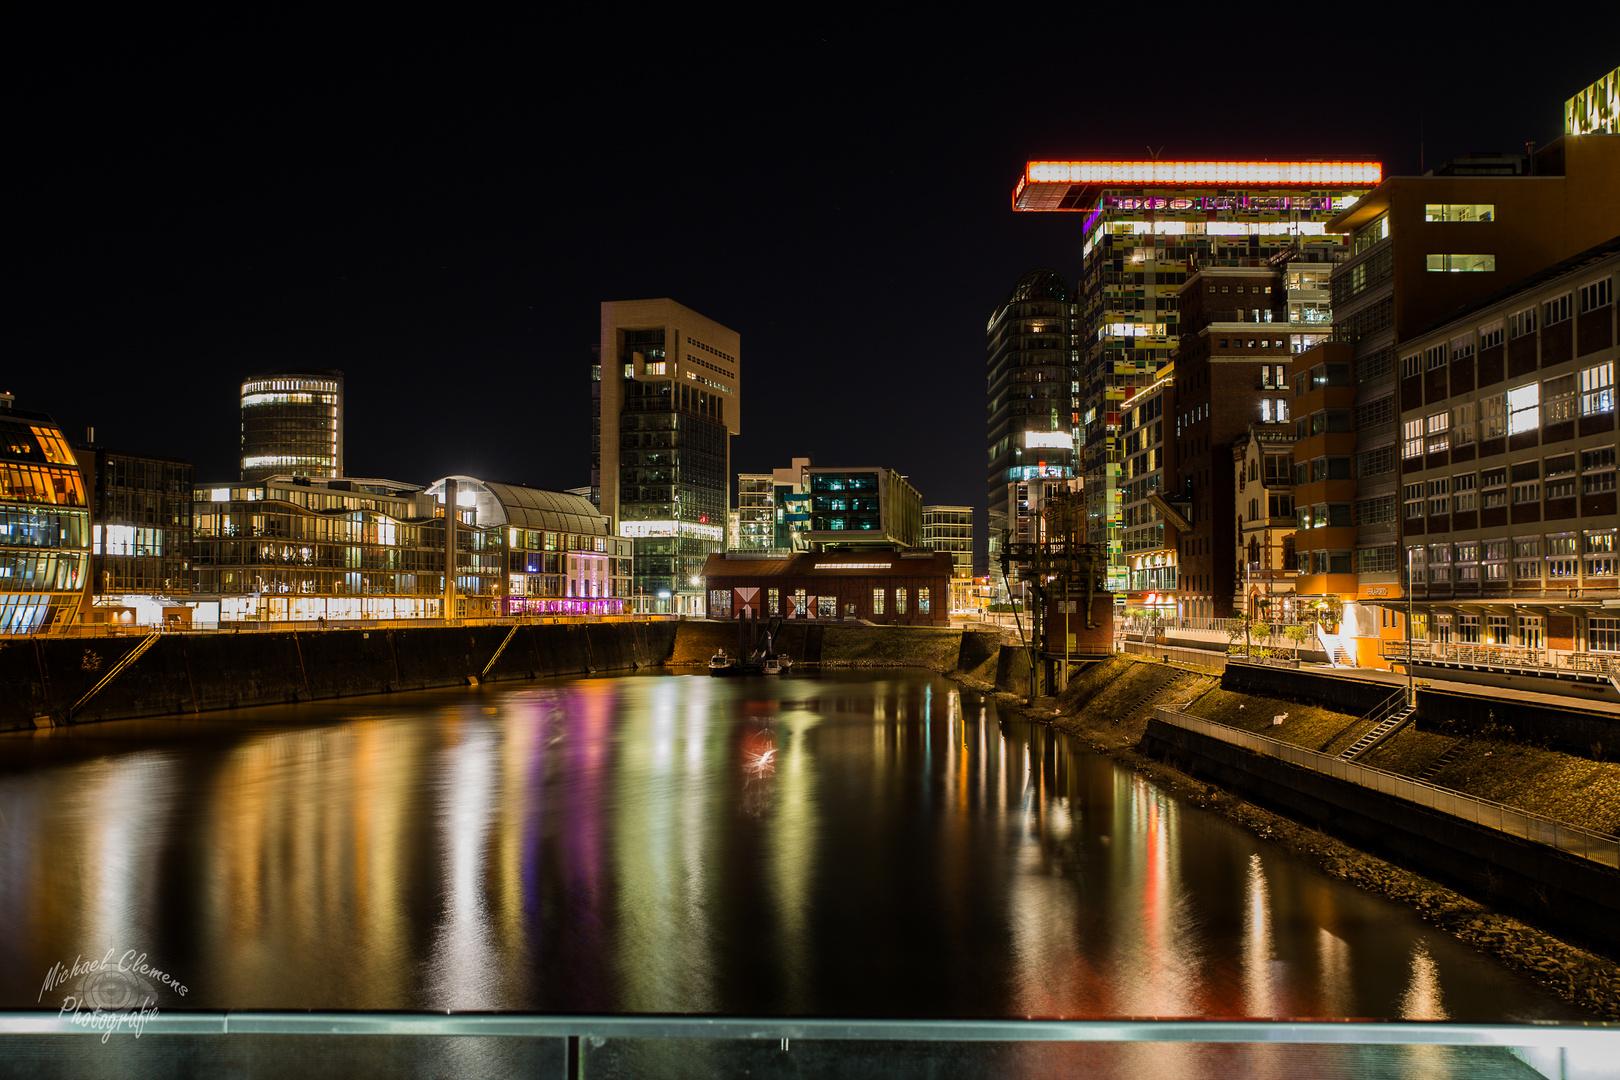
point(44, 524)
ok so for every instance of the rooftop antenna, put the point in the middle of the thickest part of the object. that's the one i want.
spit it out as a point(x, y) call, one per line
point(1421, 169)
point(1155, 153)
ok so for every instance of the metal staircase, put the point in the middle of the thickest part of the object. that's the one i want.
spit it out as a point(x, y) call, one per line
point(116, 670)
point(1388, 718)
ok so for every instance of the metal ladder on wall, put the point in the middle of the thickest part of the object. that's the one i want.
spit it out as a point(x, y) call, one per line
point(116, 670)
point(1389, 717)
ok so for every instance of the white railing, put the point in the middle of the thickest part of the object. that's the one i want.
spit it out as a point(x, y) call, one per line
point(1525, 824)
point(1505, 656)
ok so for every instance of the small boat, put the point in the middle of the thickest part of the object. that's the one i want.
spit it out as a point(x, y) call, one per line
point(774, 665)
point(721, 664)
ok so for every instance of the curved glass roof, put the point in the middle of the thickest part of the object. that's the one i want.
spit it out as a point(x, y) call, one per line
point(1040, 284)
point(525, 507)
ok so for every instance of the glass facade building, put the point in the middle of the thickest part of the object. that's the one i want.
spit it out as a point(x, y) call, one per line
point(44, 524)
point(665, 402)
point(292, 424)
point(1033, 405)
point(140, 533)
point(950, 529)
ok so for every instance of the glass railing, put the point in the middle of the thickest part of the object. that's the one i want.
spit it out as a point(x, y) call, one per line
point(506, 1044)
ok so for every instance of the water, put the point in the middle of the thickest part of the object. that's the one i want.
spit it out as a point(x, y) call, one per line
point(851, 845)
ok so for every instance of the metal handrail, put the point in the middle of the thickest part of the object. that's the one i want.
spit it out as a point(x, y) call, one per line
point(1591, 1036)
point(1598, 847)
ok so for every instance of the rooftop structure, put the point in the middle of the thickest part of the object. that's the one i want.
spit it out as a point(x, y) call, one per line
point(292, 424)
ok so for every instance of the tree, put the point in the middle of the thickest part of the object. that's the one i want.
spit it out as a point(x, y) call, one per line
point(1296, 634)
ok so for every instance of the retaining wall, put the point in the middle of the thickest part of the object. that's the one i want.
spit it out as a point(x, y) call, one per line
point(1572, 727)
point(1576, 895)
point(188, 673)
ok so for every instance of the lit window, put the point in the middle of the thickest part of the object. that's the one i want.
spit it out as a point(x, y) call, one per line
point(1460, 264)
point(1524, 408)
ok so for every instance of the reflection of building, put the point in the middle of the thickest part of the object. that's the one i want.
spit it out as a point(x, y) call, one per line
point(885, 587)
point(666, 397)
point(1508, 508)
point(140, 534)
point(1146, 225)
point(1033, 398)
point(560, 555)
point(292, 424)
point(44, 524)
point(863, 507)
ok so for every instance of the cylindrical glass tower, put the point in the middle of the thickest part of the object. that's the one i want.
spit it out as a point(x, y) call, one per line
point(292, 424)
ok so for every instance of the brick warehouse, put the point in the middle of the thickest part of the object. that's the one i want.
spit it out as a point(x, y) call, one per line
point(885, 587)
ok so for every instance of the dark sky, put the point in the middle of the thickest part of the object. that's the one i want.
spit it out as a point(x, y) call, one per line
point(437, 209)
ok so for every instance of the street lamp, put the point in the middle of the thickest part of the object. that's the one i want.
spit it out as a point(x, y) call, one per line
point(1411, 679)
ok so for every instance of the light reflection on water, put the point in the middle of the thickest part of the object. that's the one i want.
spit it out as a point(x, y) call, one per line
point(849, 845)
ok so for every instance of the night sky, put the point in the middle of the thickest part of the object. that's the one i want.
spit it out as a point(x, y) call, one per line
point(438, 208)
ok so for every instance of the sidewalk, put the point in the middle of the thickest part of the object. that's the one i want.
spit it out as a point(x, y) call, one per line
point(1394, 679)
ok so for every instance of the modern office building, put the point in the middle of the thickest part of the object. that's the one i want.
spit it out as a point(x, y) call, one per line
point(666, 399)
point(347, 549)
point(1153, 515)
point(1508, 511)
point(44, 524)
point(867, 507)
point(1033, 400)
point(756, 512)
point(302, 549)
point(140, 536)
point(1147, 226)
point(950, 529)
point(292, 424)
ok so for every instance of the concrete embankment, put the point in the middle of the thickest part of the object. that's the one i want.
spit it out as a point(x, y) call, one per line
point(189, 673)
point(1110, 708)
point(47, 679)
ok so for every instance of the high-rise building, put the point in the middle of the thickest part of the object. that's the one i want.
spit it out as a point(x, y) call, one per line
point(292, 424)
point(45, 539)
point(1147, 225)
point(1033, 404)
point(666, 400)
